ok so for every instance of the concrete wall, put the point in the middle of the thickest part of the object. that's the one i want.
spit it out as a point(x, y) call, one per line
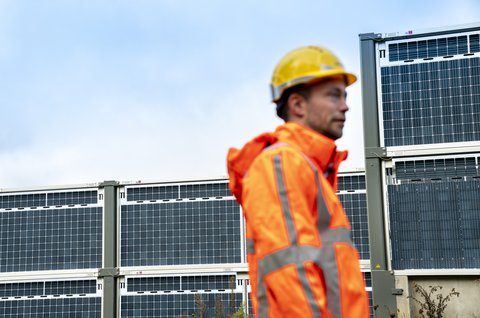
point(466, 305)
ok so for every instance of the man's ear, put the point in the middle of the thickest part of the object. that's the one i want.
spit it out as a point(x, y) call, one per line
point(296, 106)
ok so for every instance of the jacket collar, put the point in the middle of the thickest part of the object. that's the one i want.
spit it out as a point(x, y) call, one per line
point(319, 148)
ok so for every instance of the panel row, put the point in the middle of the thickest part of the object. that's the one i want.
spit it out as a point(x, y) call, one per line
point(11, 201)
point(171, 192)
point(431, 48)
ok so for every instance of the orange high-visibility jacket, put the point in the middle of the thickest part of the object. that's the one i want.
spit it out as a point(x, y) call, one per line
point(301, 259)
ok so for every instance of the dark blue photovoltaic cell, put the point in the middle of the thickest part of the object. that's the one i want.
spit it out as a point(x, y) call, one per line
point(21, 289)
point(474, 43)
point(176, 305)
point(27, 200)
point(51, 239)
point(181, 283)
point(205, 190)
point(370, 304)
point(85, 307)
point(183, 191)
point(187, 232)
point(412, 50)
point(48, 288)
point(436, 168)
point(10, 201)
point(154, 284)
point(435, 224)
point(208, 282)
point(432, 102)
point(165, 192)
point(70, 287)
point(355, 206)
point(74, 197)
point(354, 182)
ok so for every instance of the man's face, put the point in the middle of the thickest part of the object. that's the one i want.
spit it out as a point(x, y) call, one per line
point(325, 109)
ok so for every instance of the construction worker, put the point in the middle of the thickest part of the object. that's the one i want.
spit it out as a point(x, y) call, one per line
point(301, 259)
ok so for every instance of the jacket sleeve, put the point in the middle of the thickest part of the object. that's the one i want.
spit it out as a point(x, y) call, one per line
point(280, 208)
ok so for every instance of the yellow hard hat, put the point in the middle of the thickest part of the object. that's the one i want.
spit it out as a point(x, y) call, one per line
point(305, 65)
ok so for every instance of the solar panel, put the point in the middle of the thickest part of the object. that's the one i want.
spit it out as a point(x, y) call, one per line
point(154, 284)
point(50, 239)
point(431, 102)
point(351, 182)
point(415, 170)
point(185, 232)
point(76, 298)
point(45, 288)
point(355, 206)
point(439, 47)
point(434, 222)
point(177, 305)
point(74, 197)
point(181, 283)
point(474, 43)
point(21, 289)
point(180, 296)
point(88, 307)
point(205, 190)
point(70, 287)
point(169, 192)
point(352, 194)
point(10, 201)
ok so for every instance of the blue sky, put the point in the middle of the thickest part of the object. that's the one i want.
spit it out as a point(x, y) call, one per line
point(158, 90)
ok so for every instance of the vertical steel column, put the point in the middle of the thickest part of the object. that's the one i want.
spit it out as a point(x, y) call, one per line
point(110, 272)
point(383, 281)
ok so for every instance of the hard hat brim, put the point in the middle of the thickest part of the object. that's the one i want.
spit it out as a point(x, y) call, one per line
point(277, 91)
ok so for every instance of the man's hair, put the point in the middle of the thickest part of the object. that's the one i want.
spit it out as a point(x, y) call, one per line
point(282, 104)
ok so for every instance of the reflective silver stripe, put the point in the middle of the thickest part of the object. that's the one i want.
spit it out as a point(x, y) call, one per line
point(332, 280)
point(292, 255)
point(262, 298)
point(298, 255)
point(282, 191)
point(309, 292)
point(322, 209)
point(250, 245)
point(339, 235)
point(278, 90)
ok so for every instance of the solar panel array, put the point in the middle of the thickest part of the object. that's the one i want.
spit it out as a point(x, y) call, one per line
point(430, 94)
point(434, 217)
point(189, 224)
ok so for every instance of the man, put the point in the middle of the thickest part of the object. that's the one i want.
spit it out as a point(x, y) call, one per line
point(301, 259)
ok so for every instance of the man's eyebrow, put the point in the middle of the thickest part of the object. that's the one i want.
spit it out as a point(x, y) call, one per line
point(340, 91)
